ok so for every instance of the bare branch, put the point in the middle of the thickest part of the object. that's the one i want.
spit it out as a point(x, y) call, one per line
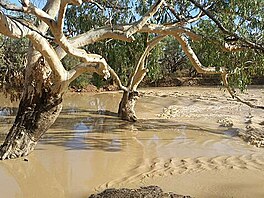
point(51, 8)
point(31, 27)
point(63, 41)
point(200, 14)
point(196, 18)
point(91, 60)
point(139, 24)
point(169, 30)
point(140, 70)
point(34, 55)
point(224, 76)
point(117, 32)
point(80, 69)
point(10, 7)
point(61, 15)
point(193, 58)
point(91, 68)
point(211, 16)
point(12, 28)
point(93, 36)
point(117, 79)
point(15, 29)
point(43, 46)
point(209, 70)
point(173, 11)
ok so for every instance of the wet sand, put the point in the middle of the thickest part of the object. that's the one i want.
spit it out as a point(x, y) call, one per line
point(177, 144)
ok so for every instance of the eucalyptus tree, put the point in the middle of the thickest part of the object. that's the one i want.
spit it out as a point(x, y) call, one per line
point(46, 79)
point(51, 39)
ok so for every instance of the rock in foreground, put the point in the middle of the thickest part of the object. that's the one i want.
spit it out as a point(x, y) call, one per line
point(143, 192)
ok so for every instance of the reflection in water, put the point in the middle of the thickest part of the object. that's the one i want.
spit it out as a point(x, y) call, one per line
point(81, 127)
point(89, 148)
point(79, 132)
point(7, 114)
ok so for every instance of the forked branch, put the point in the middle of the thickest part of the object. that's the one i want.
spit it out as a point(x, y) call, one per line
point(193, 58)
point(80, 69)
point(140, 70)
point(139, 24)
point(15, 29)
point(56, 29)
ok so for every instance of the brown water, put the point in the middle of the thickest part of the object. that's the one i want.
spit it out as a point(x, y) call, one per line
point(89, 149)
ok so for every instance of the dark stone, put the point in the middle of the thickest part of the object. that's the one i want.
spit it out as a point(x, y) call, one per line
point(143, 192)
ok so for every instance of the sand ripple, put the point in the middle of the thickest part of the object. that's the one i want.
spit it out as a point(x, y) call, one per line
point(174, 166)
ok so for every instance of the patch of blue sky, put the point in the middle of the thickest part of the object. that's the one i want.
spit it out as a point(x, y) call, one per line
point(37, 3)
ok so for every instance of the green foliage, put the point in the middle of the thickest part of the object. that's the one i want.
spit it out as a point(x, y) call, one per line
point(154, 65)
point(12, 63)
point(174, 61)
point(242, 65)
point(242, 17)
point(97, 81)
point(13, 52)
point(82, 81)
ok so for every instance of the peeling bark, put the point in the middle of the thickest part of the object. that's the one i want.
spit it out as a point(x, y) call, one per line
point(35, 115)
point(38, 109)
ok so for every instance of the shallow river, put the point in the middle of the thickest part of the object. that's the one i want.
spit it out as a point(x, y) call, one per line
point(89, 149)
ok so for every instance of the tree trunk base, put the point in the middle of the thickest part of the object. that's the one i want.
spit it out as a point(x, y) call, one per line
point(126, 106)
point(35, 116)
point(21, 146)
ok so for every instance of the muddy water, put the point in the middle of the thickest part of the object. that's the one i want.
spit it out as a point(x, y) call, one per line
point(89, 149)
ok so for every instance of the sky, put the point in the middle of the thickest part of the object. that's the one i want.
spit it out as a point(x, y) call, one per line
point(38, 3)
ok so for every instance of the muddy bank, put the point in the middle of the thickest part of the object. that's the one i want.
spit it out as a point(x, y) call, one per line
point(219, 108)
point(253, 134)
